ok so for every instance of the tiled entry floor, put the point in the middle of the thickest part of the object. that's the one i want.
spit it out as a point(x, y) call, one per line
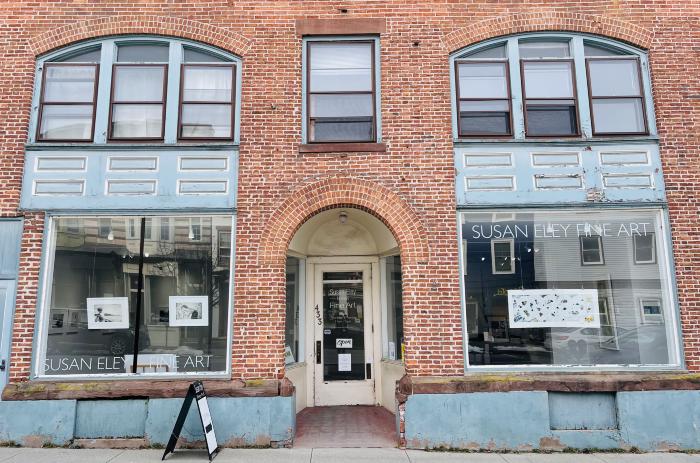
point(345, 426)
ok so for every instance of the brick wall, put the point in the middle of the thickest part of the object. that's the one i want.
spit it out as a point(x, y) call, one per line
point(416, 170)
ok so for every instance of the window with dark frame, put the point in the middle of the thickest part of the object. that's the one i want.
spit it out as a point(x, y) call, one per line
point(502, 256)
point(549, 89)
point(616, 95)
point(206, 102)
point(138, 102)
point(68, 101)
point(645, 249)
point(340, 91)
point(483, 94)
point(591, 250)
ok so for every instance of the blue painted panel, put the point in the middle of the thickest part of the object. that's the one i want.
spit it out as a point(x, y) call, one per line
point(586, 411)
point(130, 179)
point(589, 439)
point(480, 420)
point(237, 421)
point(660, 419)
point(557, 173)
point(35, 422)
point(10, 239)
point(97, 419)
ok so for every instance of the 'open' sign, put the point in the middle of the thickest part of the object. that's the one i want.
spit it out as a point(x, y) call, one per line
point(343, 343)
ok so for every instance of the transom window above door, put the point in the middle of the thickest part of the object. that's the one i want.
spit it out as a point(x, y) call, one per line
point(551, 85)
point(133, 89)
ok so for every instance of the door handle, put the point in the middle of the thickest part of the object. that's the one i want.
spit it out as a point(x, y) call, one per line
point(3, 366)
point(318, 352)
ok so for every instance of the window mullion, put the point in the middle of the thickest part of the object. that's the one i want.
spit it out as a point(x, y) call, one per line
point(516, 89)
point(107, 57)
point(584, 108)
point(175, 59)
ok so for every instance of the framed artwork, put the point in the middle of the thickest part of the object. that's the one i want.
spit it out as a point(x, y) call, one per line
point(108, 313)
point(188, 310)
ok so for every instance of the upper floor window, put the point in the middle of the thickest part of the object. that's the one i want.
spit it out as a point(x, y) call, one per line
point(134, 89)
point(340, 91)
point(552, 85)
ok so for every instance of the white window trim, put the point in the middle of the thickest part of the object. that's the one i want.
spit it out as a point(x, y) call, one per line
point(653, 250)
point(511, 242)
point(651, 319)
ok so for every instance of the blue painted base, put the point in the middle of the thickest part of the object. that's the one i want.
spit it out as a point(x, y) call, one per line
point(652, 420)
point(238, 422)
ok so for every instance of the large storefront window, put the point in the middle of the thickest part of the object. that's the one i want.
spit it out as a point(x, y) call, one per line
point(157, 286)
point(568, 287)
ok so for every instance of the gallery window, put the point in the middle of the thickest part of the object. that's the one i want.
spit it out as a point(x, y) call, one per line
point(119, 302)
point(340, 91)
point(394, 348)
point(136, 89)
point(550, 311)
point(564, 85)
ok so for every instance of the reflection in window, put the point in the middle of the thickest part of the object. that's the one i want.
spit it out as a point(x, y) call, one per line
point(92, 310)
point(394, 307)
point(645, 249)
point(340, 90)
point(550, 311)
point(591, 250)
point(291, 326)
point(502, 256)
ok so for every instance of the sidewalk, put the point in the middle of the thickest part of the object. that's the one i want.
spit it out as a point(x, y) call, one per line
point(26, 455)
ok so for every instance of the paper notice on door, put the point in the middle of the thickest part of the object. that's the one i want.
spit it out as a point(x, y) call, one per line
point(344, 362)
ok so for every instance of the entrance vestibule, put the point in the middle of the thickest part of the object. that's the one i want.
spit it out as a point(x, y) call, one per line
point(339, 303)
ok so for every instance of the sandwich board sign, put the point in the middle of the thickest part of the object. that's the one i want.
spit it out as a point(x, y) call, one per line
point(195, 392)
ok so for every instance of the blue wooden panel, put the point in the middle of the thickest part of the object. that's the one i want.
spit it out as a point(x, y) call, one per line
point(121, 179)
point(591, 410)
point(10, 239)
point(557, 173)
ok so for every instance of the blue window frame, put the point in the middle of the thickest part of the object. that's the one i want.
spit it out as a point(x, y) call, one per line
point(136, 89)
point(551, 85)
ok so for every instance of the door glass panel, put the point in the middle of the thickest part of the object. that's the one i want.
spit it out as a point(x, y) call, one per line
point(343, 327)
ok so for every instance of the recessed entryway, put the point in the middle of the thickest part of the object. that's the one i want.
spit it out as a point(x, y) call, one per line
point(345, 426)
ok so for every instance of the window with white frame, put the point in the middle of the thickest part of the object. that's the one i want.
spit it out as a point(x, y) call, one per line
point(591, 250)
point(340, 91)
point(645, 248)
point(136, 89)
point(120, 304)
point(502, 256)
point(549, 310)
point(551, 85)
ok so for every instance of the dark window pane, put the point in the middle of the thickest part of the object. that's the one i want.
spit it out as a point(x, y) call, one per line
point(618, 115)
point(137, 121)
point(206, 121)
point(394, 305)
point(138, 83)
point(207, 83)
point(596, 50)
point(482, 80)
point(143, 53)
point(323, 130)
point(551, 120)
point(484, 118)
point(66, 122)
point(291, 326)
point(85, 56)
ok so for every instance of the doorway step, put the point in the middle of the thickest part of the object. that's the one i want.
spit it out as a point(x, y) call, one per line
point(345, 426)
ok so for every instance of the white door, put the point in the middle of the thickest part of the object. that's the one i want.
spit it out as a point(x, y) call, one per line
point(7, 292)
point(343, 338)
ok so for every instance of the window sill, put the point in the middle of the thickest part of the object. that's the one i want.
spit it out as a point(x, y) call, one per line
point(342, 148)
point(150, 387)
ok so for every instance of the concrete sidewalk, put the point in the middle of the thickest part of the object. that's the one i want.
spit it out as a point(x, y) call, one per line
point(26, 455)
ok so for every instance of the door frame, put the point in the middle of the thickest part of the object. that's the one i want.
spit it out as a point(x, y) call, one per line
point(7, 315)
point(373, 355)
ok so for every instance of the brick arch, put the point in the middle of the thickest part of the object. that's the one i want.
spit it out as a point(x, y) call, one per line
point(140, 24)
point(337, 192)
point(551, 20)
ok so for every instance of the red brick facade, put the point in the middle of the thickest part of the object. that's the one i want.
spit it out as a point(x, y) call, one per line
point(410, 187)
